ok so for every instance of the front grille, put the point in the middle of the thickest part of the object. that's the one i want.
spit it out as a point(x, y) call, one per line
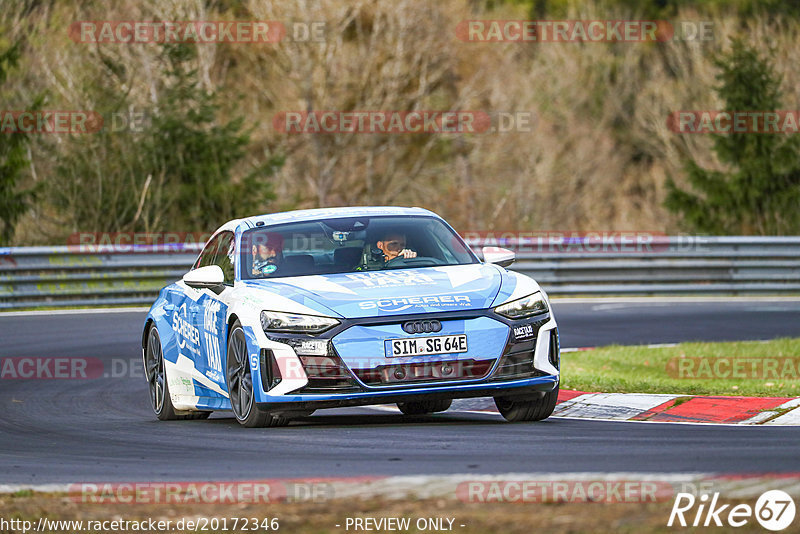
point(395, 374)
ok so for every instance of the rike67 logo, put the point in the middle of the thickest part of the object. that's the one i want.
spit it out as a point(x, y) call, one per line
point(774, 510)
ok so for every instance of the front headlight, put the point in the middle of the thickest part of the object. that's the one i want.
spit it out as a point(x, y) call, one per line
point(272, 321)
point(533, 304)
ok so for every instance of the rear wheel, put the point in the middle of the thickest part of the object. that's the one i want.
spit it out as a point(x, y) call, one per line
point(240, 385)
point(156, 374)
point(424, 407)
point(516, 410)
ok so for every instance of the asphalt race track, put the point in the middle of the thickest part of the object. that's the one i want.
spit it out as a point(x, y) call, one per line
point(62, 431)
point(644, 321)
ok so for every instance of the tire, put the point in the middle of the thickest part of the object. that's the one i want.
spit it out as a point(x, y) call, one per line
point(156, 374)
point(519, 410)
point(424, 407)
point(240, 385)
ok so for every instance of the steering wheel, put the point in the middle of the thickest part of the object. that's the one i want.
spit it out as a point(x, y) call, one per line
point(397, 260)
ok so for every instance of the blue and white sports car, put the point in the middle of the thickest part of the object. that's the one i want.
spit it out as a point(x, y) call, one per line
point(287, 313)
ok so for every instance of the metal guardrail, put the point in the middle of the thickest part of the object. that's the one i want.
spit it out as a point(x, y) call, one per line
point(69, 277)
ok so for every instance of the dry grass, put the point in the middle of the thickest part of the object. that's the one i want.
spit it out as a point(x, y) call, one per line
point(296, 518)
point(596, 159)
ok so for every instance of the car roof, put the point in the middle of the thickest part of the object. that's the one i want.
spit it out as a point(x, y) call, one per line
point(324, 213)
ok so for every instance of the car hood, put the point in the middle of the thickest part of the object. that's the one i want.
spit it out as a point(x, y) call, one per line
point(395, 292)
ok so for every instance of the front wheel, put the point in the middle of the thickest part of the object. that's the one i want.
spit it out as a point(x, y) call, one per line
point(240, 385)
point(424, 407)
point(518, 410)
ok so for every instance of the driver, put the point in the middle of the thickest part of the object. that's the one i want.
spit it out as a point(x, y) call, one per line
point(393, 245)
point(267, 254)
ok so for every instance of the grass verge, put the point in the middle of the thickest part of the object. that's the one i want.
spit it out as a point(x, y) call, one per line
point(749, 368)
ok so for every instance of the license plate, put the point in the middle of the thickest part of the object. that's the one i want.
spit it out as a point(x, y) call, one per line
point(424, 346)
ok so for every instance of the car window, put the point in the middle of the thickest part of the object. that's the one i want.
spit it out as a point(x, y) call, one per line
point(350, 245)
point(224, 256)
point(206, 257)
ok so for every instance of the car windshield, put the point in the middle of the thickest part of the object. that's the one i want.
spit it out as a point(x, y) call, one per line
point(350, 245)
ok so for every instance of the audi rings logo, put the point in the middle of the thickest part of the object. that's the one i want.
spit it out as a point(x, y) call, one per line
point(422, 327)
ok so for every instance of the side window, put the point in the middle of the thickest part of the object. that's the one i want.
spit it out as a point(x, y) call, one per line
point(224, 255)
point(207, 256)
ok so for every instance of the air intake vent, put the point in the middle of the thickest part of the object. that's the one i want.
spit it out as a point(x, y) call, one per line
point(270, 372)
point(555, 349)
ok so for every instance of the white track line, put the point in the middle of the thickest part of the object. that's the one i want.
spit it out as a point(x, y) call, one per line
point(70, 311)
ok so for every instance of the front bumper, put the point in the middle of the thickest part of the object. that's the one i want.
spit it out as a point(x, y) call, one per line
point(524, 388)
point(525, 363)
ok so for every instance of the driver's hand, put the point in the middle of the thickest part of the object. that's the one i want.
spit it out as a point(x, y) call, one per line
point(407, 253)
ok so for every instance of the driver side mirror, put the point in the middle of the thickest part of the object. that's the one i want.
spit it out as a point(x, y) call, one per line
point(499, 256)
point(208, 277)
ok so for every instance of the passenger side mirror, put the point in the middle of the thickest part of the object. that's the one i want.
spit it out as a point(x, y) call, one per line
point(208, 277)
point(499, 256)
